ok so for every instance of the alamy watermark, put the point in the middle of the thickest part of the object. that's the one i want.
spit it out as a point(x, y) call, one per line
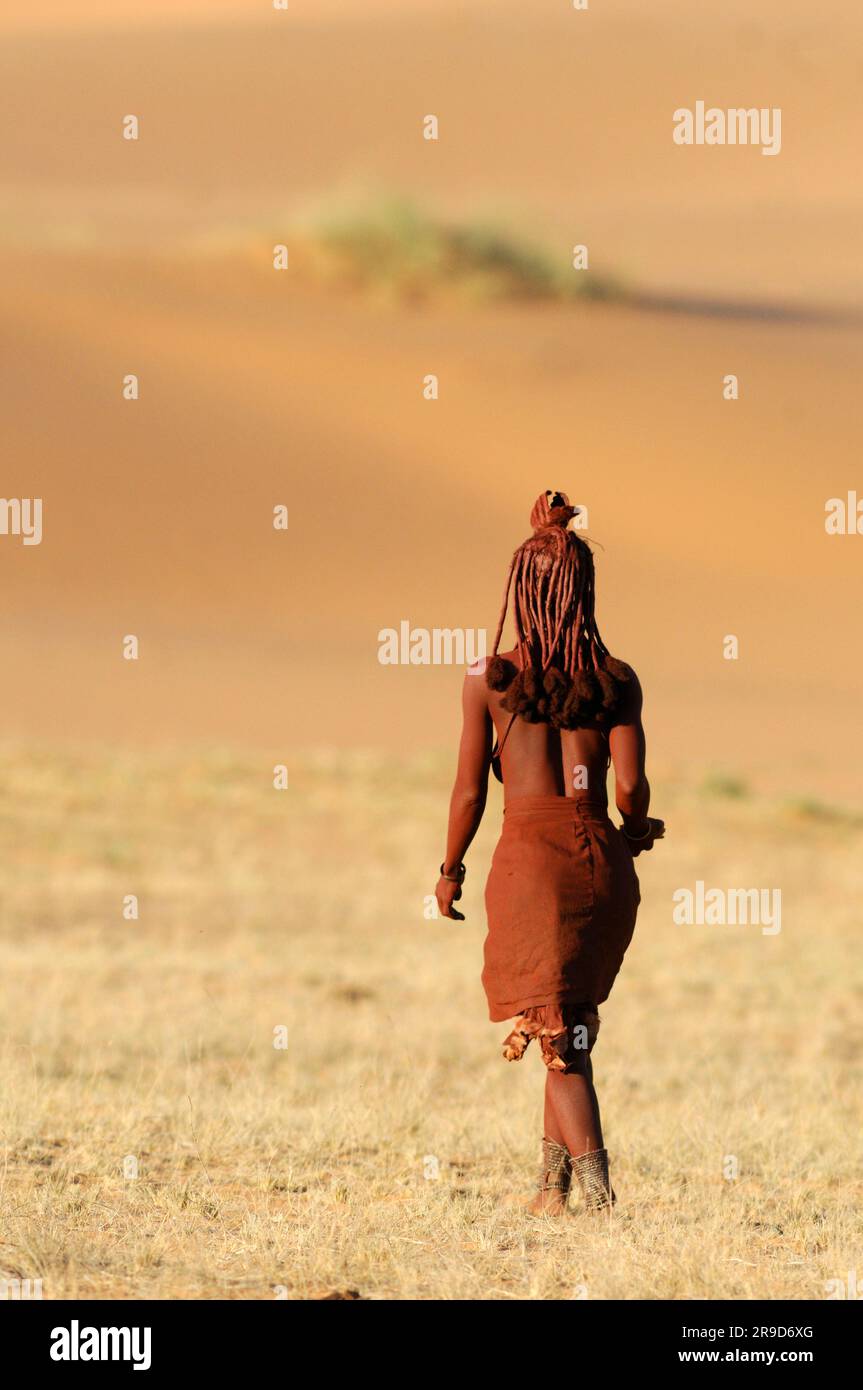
point(436, 646)
point(77, 1343)
point(739, 125)
point(844, 515)
point(20, 1290)
point(719, 907)
point(22, 516)
point(848, 1288)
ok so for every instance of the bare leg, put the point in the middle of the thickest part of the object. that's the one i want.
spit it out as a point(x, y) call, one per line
point(551, 1128)
point(551, 1199)
point(576, 1109)
point(571, 1119)
point(571, 1100)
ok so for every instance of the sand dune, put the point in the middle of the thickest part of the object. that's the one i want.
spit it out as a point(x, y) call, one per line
point(157, 512)
point(560, 122)
point(259, 389)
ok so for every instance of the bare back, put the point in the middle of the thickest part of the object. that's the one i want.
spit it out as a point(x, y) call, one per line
point(539, 760)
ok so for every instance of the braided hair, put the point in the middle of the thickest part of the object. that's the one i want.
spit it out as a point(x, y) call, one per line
point(568, 677)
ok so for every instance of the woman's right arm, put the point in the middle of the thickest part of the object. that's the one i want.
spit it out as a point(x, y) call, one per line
point(632, 789)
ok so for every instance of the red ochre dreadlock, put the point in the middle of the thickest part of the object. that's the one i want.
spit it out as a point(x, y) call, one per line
point(568, 677)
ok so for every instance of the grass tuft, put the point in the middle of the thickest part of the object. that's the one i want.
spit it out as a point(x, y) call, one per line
point(725, 786)
point(392, 247)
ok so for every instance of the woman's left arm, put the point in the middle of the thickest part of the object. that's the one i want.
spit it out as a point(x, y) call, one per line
point(469, 793)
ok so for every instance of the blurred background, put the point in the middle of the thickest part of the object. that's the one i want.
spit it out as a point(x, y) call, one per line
point(410, 257)
point(152, 1036)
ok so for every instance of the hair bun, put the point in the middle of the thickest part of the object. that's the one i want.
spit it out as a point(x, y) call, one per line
point(552, 509)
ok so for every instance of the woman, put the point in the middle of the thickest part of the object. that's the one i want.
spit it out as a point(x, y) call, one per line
point(562, 895)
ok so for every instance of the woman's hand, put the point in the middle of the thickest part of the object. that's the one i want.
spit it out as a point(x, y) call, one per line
point(641, 843)
point(447, 893)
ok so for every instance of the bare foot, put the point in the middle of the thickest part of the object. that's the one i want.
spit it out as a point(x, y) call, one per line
point(547, 1203)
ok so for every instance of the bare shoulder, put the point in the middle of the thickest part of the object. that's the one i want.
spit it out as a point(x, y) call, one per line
point(633, 699)
point(475, 687)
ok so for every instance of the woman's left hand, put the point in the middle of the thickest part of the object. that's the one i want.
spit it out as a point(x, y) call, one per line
point(448, 893)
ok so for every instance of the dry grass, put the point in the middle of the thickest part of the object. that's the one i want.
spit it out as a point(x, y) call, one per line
point(303, 1169)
